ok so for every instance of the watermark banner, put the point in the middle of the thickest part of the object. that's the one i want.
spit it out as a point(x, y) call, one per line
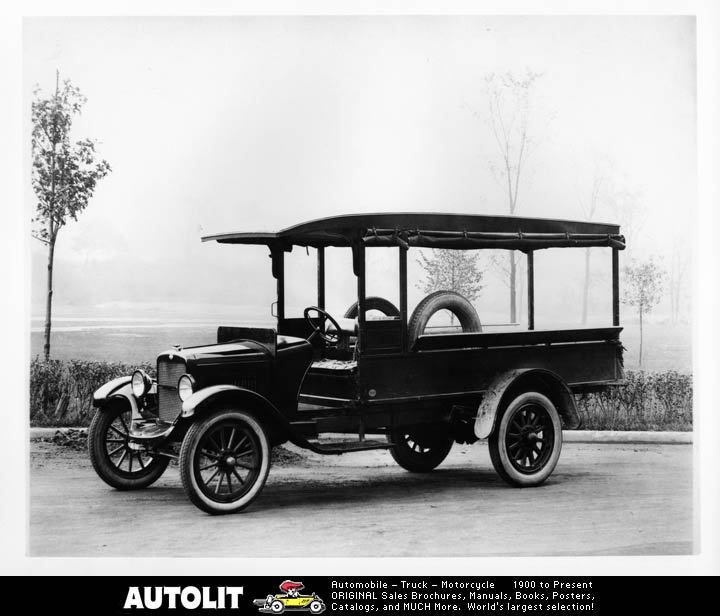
point(430, 595)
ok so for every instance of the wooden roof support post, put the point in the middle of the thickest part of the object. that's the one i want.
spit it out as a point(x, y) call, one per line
point(403, 299)
point(616, 287)
point(277, 254)
point(321, 278)
point(359, 270)
point(531, 288)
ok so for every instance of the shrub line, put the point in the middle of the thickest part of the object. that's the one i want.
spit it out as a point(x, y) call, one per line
point(61, 395)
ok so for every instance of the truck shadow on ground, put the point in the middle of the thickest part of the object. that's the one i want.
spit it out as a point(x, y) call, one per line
point(331, 489)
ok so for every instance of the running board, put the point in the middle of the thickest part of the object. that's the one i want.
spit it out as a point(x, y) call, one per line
point(338, 446)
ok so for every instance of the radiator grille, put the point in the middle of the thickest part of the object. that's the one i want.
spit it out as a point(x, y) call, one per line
point(169, 372)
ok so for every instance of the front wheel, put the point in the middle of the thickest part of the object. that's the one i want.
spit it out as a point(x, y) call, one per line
point(420, 449)
point(224, 461)
point(113, 456)
point(525, 445)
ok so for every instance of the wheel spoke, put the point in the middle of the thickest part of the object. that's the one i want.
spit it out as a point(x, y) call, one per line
point(244, 452)
point(114, 451)
point(514, 444)
point(140, 460)
point(209, 466)
point(123, 434)
point(132, 455)
point(232, 436)
point(120, 461)
point(122, 421)
point(229, 482)
point(209, 481)
point(249, 467)
point(219, 483)
point(240, 479)
point(242, 441)
point(211, 437)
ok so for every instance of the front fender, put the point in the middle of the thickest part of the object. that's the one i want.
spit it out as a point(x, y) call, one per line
point(105, 391)
point(117, 387)
point(529, 379)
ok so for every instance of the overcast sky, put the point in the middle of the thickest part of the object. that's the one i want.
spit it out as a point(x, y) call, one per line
point(236, 124)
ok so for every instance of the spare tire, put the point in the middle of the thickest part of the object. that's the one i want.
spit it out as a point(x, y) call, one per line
point(373, 303)
point(443, 300)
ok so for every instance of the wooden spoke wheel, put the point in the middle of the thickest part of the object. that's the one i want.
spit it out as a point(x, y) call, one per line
point(117, 461)
point(525, 445)
point(224, 461)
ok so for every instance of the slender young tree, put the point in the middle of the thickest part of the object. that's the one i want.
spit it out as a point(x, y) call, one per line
point(643, 289)
point(509, 99)
point(64, 174)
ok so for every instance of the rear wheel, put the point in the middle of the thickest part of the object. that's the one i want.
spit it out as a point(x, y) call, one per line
point(224, 461)
point(525, 445)
point(420, 449)
point(114, 457)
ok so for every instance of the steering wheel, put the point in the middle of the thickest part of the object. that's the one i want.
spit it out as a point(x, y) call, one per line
point(331, 338)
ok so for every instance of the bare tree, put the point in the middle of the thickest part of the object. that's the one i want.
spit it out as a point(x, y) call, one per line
point(64, 174)
point(509, 100)
point(605, 193)
point(590, 208)
point(643, 289)
point(678, 272)
point(501, 265)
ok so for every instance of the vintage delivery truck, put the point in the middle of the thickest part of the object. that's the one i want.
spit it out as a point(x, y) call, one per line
point(220, 408)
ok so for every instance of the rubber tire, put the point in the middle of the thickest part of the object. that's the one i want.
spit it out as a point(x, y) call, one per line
point(416, 462)
point(443, 300)
point(496, 443)
point(373, 303)
point(316, 607)
point(274, 604)
point(105, 469)
point(187, 455)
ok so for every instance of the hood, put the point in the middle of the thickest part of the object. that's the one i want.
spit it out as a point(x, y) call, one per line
point(249, 349)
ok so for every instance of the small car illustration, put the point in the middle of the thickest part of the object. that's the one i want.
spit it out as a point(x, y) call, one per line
point(290, 599)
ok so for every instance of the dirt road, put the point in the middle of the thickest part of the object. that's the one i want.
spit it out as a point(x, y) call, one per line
point(602, 499)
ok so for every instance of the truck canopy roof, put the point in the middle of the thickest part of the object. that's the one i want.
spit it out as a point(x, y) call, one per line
point(459, 231)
